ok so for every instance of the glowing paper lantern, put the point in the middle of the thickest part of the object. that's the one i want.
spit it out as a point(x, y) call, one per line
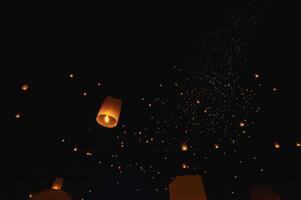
point(276, 145)
point(184, 147)
point(264, 193)
point(58, 184)
point(25, 87)
point(109, 112)
point(55, 193)
point(189, 187)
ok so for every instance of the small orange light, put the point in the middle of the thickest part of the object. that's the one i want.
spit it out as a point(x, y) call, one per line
point(216, 146)
point(276, 145)
point(298, 144)
point(256, 75)
point(18, 115)
point(242, 124)
point(25, 87)
point(184, 147)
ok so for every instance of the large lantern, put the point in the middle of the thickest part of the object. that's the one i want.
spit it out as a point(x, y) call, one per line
point(264, 192)
point(109, 112)
point(55, 193)
point(188, 187)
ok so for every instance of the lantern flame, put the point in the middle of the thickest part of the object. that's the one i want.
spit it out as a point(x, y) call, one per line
point(276, 145)
point(107, 119)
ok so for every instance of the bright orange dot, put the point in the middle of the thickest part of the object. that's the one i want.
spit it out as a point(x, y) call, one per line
point(276, 145)
point(71, 75)
point(18, 115)
point(274, 89)
point(75, 149)
point(242, 124)
point(256, 75)
point(184, 147)
point(298, 144)
point(25, 87)
point(30, 195)
point(184, 166)
point(85, 93)
point(216, 146)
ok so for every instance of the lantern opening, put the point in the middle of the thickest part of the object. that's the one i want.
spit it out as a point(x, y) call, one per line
point(107, 121)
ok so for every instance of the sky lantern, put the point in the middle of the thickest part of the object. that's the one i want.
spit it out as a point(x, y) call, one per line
point(109, 112)
point(276, 145)
point(184, 146)
point(57, 184)
point(55, 193)
point(188, 187)
point(264, 192)
point(25, 87)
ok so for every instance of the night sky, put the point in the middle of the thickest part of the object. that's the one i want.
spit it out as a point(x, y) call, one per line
point(221, 77)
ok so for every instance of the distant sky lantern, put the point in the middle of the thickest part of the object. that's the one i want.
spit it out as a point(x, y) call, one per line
point(216, 146)
point(25, 87)
point(57, 184)
point(55, 193)
point(188, 187)
point(108, 114)
point(298, 144)
point(18, 115)
point(184, 166)
point(184, 146)
point(242, 124)
point(276, 145)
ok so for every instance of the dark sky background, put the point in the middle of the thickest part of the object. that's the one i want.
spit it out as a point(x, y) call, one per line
point(131, 50)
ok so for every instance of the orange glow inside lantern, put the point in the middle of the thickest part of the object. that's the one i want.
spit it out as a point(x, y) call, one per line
point(108, 114)
point(184, 147)
point(58, 184)
point(277, 145)
point(298, 144)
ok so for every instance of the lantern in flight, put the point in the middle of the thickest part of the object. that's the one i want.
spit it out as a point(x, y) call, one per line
point(189, 187)
point(55, 193)
point(109, 112)
point(276, 145)
point(57, 184)
point(184, 146)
